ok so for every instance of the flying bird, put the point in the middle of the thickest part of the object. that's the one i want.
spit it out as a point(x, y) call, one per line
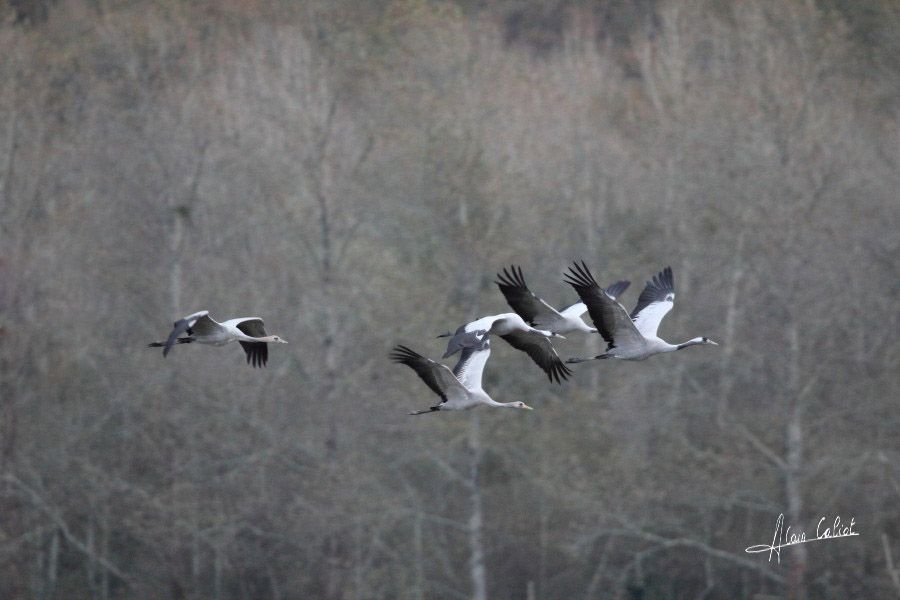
point(201, 328)
point(459, 389)
point(629, 337)
point(538, 313)
point(519, 334)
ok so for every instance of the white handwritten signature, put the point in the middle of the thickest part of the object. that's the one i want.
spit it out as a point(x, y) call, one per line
point(838, 529)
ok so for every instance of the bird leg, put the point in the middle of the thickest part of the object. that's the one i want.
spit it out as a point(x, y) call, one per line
point(184, 340)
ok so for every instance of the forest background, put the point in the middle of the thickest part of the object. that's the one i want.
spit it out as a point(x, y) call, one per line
point(356, 173)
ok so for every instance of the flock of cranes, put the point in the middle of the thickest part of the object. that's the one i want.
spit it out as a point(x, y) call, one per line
point(530, 329)
point(532, 326)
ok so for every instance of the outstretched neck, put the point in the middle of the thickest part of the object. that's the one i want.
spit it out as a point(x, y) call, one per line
point(491, 402)
point(266, 338)
point(693, 342)
point(580, 325)
point(547, 333)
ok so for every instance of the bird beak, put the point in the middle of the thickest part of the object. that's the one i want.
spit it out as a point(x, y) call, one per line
point(283, 341)
point(713, 343)
point(562, 337)
point(526, 407)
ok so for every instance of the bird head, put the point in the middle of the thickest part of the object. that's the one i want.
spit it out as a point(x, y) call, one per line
point(706, 340)
point(522, 405)
point(279, 340)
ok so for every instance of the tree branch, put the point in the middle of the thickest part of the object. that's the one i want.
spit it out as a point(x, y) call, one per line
point(63, 527)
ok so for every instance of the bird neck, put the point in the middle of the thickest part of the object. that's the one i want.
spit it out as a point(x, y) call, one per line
point(503, 404)
point(490, 401)
point(692, 342)
point(249, 338)
point(582, 326)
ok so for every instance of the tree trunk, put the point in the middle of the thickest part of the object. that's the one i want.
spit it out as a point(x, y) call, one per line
point(476, 519)
point(418, 562)
point(217, 574)
point(726, 373)
point(52, 567)
point(794, 448)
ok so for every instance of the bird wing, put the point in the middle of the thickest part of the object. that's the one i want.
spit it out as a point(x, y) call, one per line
point(609, 317)
point(252, 326)
point(198, 323)
point(576, 310)
point(438, 377)
point(257, 352)
point(522, 300)
point(203, 324)
point(617, 289)
point(654, 303)
point(541, 351)
point(613, 291)
point(465, 338)
point(471, 364)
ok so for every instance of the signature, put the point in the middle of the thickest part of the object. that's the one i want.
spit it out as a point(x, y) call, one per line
point(784, 537)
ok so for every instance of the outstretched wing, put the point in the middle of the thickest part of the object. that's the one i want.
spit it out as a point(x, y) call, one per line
point(438, 377)
point(609, 317)
point(257, 352)
point(471, 363)
point(463, 339)
point(252, 326)
point(613, 291)
point(654, 303)
point(541, 351)
point(522, 300)
point(198, 323)
point(617, 289)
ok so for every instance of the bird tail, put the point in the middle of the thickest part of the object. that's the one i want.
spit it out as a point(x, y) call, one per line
point(576, 360)
point(184, 340)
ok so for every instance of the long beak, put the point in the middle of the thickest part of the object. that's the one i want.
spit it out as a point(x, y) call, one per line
point(713, 343)
point(556, 335)
point(526, 407)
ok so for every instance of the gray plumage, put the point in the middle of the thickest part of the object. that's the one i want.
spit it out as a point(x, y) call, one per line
point(199, 327)
point(537, 312)
point(628, 337)
point(459, 389)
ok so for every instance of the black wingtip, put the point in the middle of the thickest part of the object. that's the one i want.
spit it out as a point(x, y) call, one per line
point(402, 354)
point(511, 277)
point(580, 275)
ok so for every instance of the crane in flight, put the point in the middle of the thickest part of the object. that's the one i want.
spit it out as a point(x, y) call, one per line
point(538, 313)
point(199, 327)
point(519, 334)
point(629, 337)
point(459, 389)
